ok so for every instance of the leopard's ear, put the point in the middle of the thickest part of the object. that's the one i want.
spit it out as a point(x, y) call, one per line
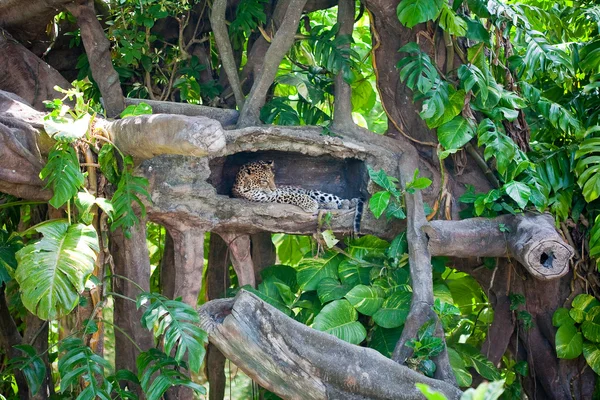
point(270, 163)
point(248, 170)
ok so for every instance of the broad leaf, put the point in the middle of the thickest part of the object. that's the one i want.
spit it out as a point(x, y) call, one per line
point(312, 270)
point(561, 317)
point(519, 192)
point(340, 319)
point(413, 12)
point(135, 110)
point(591, 326)
point(31, 365)
point(569, 342)
point(384, 340)
point(292, 248)
point(394, 310)
point(416, 69)
point(62, 174)
point(352, 273)
point(591, 352)
point(473, 358)
point(80, 363)
point(176, 324)
point(455, 133)
point(53, 270)
point(158, 372)
point(581, 304)
point(330, 289)
point(9, 245)
point(66, 129)
point(451, 22)
point(463, 376)
point(366, 299)
point(379, 202)
point(129, 190)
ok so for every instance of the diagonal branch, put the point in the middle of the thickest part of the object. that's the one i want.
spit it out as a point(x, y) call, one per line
point(97, 48)
point(283, 40)
point(217, 22)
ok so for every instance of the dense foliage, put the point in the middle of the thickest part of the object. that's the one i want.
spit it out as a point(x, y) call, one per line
point(531, 67)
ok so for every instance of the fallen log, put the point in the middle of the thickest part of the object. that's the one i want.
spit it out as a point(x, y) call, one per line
point(298, 362)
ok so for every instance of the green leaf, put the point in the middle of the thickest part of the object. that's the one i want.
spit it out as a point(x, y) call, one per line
point(62, 174)
point(496, 145)
point(66, 129)
point(53, 270)
point(455, 133)
point(329, 238)
point(477, 32)
point(340, 319)
point(470, 77)
point(366, 299)
point(394, 310)
point(9, 245)
point(379, 202)
point(129, 191)
point(463, 376)
point(485, 391)
point(398, 247)
point(166, 372)
point(363, 96)
point(591, 352)
point(591, 326)
point(384, 340)
point(519, 192)
point(581, 305)
point(108, 163)
point(561, 317)
point(80, 363)
point(452, 23)
point(176, 324)
point(31, 365)
point(330, 289)
point(588, 168)
point(292, 248)
point(413, 12)
point(416, 69)
point(429, 393)
point(310, 271)
point(473, 358)
point(352, 273)
point(135, 110)
point(84, 203)
point(569, 342)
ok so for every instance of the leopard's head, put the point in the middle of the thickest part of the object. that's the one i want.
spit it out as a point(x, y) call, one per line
point(256, 175)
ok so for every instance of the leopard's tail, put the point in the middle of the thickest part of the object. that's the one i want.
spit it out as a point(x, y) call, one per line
point(358, 212)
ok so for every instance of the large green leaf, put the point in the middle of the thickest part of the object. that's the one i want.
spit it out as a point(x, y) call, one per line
point(352, 273)
point(379, 202)
point(581, 304)
point(591, 326)
point(312, 270)
point(129, 190)
point(497, 144)
point(292, 248)
point(451, 22)
point(394, 310)
point(416, 69)
point(463, 376)
point(588, 168)
point(366, 299)
point(485, 391)
point(330, 289)
point(31, 365)
point(62, 174)
point(158, 372)
point(53, 270)
point(9, 245)
point(561, 317)
point(591, 352)
point(473, 358)
point(80, 363)
point(340, 319)
point(66, 129)
point(455, 133)
point(176, 324)
point(518, 191)
point(569, 342)
point(442, 104)
point(413, 12)
point(384, 340)
point(367, 246)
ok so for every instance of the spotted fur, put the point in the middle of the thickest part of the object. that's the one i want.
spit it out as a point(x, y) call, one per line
point(256, 182)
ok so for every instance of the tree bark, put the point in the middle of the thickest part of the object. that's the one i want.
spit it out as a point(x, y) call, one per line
point(298, 362)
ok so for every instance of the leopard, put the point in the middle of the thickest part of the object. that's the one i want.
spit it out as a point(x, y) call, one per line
point(255, 181)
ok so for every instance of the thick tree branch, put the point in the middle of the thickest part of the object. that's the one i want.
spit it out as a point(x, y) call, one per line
point(241, 257)
point(217, 22)
point(97, 48)
point(342, 109)
point(298, 362)
point(283, 40)
point(419, 258)
point(225, 116)
point(530, 239)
